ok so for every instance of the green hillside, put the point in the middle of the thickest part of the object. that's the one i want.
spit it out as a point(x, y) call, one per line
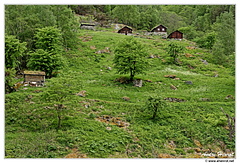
point(103, 117)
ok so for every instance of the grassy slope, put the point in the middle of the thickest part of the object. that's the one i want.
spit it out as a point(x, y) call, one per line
point(179, 131)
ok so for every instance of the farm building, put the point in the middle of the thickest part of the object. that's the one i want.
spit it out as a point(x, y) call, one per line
point(87, 26)
point(34, 76)
point(125, 30)
point(159, 28)
point(176, 35)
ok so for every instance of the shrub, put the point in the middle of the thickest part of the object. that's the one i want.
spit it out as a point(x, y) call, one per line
point(154, 104)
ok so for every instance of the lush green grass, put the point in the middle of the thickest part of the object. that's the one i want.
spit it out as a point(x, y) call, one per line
point(31, 121)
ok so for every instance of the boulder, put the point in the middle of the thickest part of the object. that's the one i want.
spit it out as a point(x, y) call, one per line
point(204, 99)
point(173, 87)
point(137, 83)
point(204, 61)
point(170, 76)
point(93, 47)
point(189, 82)
point(126, 98)
point(171, 99)
point(82, 93)
point(109, 68)
point(189, 55)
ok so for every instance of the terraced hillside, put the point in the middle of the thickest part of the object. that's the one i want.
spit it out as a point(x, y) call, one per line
point(89, 111)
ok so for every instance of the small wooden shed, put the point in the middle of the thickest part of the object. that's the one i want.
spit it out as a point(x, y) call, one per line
point(34, 76)
point(125, 30)
point(87, 26)
point(159, 28)
point(176, 35)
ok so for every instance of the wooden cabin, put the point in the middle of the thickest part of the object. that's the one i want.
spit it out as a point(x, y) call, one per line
point(159, 28)
point(87, 26)
point(34, 76)
point(176, 35)
point(125, 30)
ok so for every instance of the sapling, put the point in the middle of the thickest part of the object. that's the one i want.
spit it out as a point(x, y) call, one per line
point(174, 49)
point(154, 105)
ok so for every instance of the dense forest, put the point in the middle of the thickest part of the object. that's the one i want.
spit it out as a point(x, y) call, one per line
point(89, 105)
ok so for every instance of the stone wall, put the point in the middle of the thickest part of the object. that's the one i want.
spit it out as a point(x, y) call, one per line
point(163, 34)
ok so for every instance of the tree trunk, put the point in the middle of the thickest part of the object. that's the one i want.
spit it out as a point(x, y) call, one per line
point(59, 122)
point(155, 113)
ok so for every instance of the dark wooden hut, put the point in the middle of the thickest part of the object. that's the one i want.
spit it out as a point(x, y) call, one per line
point(159, 28)
point(176, 35)
point(125, 30)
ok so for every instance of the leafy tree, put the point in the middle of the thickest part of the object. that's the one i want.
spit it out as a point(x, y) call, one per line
point(171, 20)
point(56, 94)
point(190, 32)
point(9, 80)
point(202, 23)
point(44, 61)
point(47, 57)
point(225, 32)
point(68, 25)
point(154, 105)
point(14, 51)
point(130, 57)
point(23, 20)
point(127, 14)
point(174, 49)
point(149, 17)
point(206, 41)
point(224, 46)
point(59, 91)
point(49, 39)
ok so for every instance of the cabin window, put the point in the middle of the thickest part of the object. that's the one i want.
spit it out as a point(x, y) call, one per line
point(158, 29)
point(162, 29)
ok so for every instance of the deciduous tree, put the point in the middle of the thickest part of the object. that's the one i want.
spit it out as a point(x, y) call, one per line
point(130, 57)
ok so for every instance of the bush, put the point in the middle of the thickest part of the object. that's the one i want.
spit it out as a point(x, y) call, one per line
point(154, 104)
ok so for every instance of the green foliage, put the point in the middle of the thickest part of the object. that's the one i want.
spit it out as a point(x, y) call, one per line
point(42, 60)
point(207, 41)
point(14, 51)
point(225, 41)
point(130, 57)
point(171, 20)
point(189, 32)
point(57, 95)
point(31, 117)
point(149, 15)
point(23, 21)
point(48, 39)
point(9, 80)
point(47, 56)
point(60, 90)
point(127, 14)
point(68, 25)
point(174, 49)
point(155, 105)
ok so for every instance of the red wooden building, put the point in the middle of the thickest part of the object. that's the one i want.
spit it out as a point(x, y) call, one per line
point(176, 35)
point(159, 28)
point(125, 30)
